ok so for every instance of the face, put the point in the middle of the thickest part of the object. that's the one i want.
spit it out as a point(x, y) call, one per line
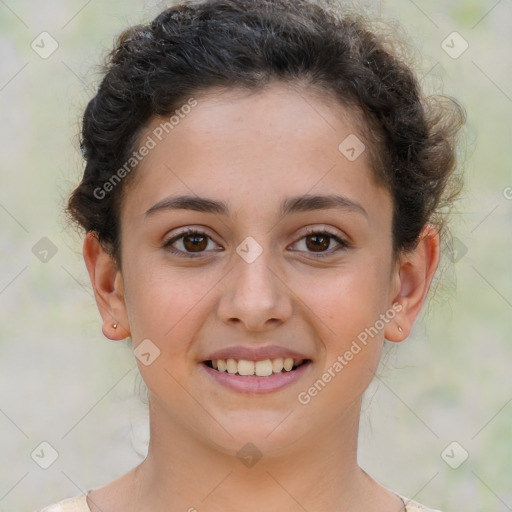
point(309, 280)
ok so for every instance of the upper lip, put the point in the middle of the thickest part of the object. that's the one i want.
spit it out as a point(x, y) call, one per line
point(255, 353)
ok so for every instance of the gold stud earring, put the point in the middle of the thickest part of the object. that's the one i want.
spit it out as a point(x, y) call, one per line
point(400, 329)
point(115, 326)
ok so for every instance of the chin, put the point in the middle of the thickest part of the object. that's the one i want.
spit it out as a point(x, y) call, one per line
point(256, 431)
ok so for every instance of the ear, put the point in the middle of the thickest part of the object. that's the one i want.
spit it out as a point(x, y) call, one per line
point(107, 283)
point(412, 280)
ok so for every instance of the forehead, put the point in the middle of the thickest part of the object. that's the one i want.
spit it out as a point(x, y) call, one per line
point(252, 145)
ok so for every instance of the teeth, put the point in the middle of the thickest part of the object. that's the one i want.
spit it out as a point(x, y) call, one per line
point(232, 366)
point(263, 368)
point(259, 368)
point(277, 365)
point(288, 364)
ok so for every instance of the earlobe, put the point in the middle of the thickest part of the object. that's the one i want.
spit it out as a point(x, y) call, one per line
point(107, 283)
point(414, 276)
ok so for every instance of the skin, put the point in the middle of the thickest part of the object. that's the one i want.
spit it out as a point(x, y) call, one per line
point(252, 151)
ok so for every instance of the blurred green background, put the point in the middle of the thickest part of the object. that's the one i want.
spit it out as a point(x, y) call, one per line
point(64, 383)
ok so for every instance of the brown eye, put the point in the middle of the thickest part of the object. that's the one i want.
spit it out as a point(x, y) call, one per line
point(193, 244)
point(318, 242)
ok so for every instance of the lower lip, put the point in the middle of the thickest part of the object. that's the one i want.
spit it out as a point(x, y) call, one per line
point(255, 384)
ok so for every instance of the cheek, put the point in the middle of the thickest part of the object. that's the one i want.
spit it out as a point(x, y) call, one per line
point(162, 306)
point(349, 309)
point(159, 301)
point(169, 306)
point(347, 315)
point(350, 299)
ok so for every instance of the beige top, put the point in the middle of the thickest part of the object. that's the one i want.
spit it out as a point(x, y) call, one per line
point(76, 504)
point(79, 504)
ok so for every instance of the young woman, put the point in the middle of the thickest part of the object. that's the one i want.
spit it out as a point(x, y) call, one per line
point(261, 202)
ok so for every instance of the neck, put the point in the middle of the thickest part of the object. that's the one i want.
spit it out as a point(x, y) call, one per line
point(317, 472)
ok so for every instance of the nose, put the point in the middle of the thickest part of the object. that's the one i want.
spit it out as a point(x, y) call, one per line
point(255, 295)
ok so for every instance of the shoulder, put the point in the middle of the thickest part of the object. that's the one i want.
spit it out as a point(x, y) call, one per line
point(414, 506)
point(79, 504)
point(75, 504)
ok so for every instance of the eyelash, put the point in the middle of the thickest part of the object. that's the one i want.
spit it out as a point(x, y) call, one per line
point(168, 245)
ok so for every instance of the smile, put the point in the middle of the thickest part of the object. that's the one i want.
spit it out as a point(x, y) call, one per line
point(255, 377)
point(263, 368)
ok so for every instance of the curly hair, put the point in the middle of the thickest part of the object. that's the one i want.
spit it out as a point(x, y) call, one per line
point(195, 46)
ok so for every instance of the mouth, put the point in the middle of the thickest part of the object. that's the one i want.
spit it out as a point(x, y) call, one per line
point(263, 368)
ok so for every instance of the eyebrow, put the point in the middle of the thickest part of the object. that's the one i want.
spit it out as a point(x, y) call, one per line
point(305, 203)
